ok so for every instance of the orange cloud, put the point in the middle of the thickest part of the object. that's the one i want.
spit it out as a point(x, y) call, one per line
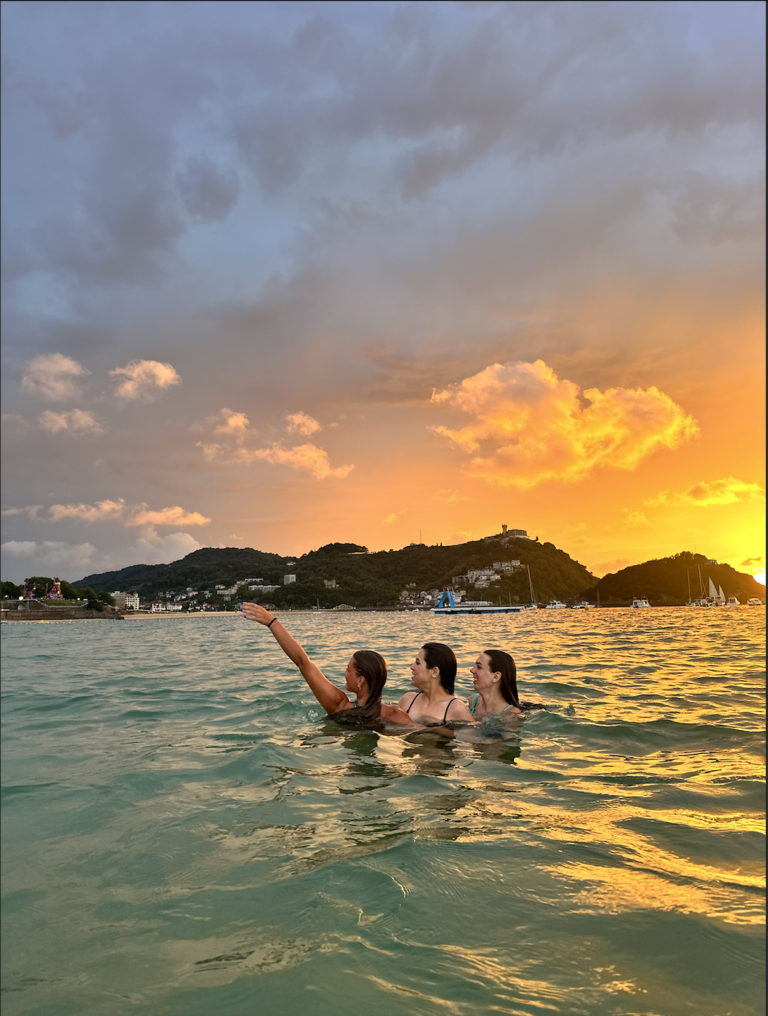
point(392, 517)
point(300, 423)
point(634, 519)
point(232, 424)
point(142, 377)
point(530, 426)
point(128, 515)
point(51, 375)
point(307, 456)
point(235, 427)
point(174, 516)
point(710, 492)
point(99, 512)
point(75, 419)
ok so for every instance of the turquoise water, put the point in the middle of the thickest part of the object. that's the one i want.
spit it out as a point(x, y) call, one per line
point(184, 833)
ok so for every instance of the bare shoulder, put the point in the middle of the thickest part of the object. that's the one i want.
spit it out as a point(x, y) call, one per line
point(459, 711)
point(405, 700)
point(395, 714)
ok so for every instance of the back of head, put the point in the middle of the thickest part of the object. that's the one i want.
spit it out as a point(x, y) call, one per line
point(373, 667)
point(438, 655)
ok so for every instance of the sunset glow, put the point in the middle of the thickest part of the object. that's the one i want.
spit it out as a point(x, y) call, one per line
point(362, 305)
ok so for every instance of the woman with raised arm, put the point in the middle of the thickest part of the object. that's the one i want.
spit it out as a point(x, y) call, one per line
point(433, 674)
point(365, 676)
point(494, 676)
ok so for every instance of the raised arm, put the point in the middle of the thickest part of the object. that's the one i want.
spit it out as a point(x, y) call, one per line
point(331, 698)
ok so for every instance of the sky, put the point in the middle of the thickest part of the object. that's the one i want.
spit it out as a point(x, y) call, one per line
point(277, 275)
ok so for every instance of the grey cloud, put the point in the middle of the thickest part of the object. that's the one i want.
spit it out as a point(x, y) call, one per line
point(438, 90)
point(209, 192)
point(717, 210)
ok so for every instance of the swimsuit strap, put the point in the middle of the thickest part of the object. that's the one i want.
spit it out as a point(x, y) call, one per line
point(448, 707)
point(473, 703)
point(413, 700)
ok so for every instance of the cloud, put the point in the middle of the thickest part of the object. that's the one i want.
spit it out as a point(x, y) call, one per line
point(128, 515)
point(634, 519)
point(710, 492)
point(231, 424)
point(74, 419)
point(532, 426)
point(175, 516)
point(51, 375)
point(234, 428)
point(300, 423)
point(154, 549)
point(102, 511)
point(307, 457)
point(143, 377)
point(449, 496)
point(392, 517)
point(209, 192)
point(52, 553)
point(30, 510)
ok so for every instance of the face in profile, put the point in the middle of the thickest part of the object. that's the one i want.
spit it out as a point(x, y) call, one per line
point(483, 677)
point(420, 676)
point(352, 678)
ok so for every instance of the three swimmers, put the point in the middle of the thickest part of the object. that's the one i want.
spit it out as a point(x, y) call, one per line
point(433, 674)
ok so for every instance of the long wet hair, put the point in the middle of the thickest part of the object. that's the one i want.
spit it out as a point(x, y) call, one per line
point(438, 655)
point(502, 663)
point(373, 668)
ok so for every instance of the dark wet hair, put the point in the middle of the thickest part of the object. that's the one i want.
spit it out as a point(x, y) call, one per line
point(502, 663)
point(442, 657)
point(373, 668)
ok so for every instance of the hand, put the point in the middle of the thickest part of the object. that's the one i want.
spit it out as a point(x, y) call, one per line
point(255, 613)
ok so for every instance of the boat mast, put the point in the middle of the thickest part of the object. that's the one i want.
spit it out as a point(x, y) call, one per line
point(530, 583)
point(688, 573)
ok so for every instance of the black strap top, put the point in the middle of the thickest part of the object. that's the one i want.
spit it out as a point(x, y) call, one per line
point(445, 714)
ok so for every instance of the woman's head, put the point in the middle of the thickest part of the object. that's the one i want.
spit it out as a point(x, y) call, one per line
point(434, 660)
point(368, 667)
point(494, 666)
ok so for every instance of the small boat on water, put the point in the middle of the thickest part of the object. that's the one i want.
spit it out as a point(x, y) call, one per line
point(732, 602)
point(555, 605)
point(583, 605)
point(640, 602)
point(448, 605)
point(754, 601)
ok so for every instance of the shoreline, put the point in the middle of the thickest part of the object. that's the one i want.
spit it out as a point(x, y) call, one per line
point(148, 615)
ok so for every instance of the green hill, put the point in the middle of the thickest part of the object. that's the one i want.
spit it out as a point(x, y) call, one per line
point(362, 579)
point(665, 581)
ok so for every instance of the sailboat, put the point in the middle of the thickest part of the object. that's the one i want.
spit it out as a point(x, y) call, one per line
point(532, 604)
point(714, 596)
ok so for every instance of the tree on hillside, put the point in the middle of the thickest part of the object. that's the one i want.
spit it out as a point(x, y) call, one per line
point(94, 600)
point(11, 591)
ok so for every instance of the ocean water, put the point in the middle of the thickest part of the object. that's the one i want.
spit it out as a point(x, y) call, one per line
point(185, 833)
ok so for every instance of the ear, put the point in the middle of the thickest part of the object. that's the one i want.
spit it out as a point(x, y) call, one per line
point(496, 677)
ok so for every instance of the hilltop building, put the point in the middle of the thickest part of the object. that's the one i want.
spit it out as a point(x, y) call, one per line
point(508, 534)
